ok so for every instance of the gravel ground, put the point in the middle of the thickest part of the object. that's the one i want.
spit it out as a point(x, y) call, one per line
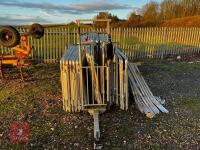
point(38, 102)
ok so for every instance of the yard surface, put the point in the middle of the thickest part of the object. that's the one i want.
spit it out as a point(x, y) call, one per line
point(38, 102)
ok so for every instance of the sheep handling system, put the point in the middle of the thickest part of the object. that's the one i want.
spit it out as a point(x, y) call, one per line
point(96, 75)
point(10, 37)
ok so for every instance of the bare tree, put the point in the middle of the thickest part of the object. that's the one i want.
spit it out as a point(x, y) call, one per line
point(150, 13)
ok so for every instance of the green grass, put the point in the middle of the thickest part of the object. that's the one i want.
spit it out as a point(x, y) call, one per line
point(190, 104)
point(173, 67)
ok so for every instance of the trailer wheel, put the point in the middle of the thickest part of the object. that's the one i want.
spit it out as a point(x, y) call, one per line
point(37, 31)
point(9, 36)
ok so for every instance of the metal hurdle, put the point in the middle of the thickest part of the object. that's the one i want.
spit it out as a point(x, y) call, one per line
point(94, 76)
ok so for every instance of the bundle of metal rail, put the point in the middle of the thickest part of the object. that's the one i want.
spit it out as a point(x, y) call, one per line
point(146, 102)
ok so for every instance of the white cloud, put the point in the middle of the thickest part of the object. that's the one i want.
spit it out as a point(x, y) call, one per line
point(16, 19)
point(80, 8)
point(55, 12)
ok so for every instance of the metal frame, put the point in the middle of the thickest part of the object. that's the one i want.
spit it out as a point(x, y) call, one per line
point(21, 52)
point(89, 87)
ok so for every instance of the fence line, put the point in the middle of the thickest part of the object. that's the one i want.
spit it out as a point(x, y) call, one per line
point(136, 43)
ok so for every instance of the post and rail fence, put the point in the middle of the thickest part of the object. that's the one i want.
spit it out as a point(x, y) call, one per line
point(136, 43)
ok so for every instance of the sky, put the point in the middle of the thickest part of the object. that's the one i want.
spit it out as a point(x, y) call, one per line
point(17, 12)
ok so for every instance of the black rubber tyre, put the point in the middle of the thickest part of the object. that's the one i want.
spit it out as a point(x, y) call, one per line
point(9, 36)
point(36, 31)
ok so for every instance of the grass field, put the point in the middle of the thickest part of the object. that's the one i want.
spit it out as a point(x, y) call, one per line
point(192, 21)
point(38, 102)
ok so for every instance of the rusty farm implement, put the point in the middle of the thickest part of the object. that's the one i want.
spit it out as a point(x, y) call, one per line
point(19, 42)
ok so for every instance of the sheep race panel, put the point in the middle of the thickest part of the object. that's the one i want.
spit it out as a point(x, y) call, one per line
point(104, 75)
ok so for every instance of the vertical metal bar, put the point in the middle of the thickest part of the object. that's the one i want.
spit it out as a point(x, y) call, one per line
point(108, 83)
point(50, 45)
point(117, 80)
point(44, 47)
point(92, 93)
point(77, 35)
point(47, 45)
point(80, 61)
point(59, 38)
point(55, 45)
point(103, 85)
point(114, 80)
point(38, 50)
point(32, 49)
point(126, 85)
point(68, 37)
point(87, 78)
point(98, 79)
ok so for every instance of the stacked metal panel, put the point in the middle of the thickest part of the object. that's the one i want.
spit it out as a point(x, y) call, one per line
point(70, 80)
point(119, 80)
point(102, 83)
point(105, 80)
